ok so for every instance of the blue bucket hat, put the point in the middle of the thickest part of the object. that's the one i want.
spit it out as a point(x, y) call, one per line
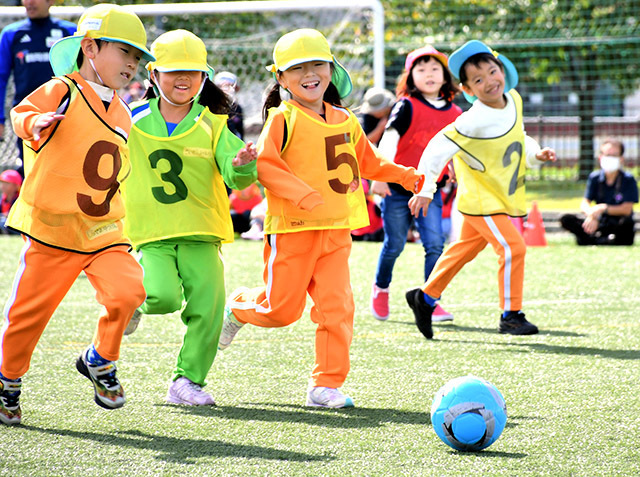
point(474, 47)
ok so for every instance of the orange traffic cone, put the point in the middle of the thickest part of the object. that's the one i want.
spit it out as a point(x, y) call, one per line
point(534, 228)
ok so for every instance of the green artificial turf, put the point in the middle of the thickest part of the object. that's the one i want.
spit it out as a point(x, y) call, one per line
point(572, 391)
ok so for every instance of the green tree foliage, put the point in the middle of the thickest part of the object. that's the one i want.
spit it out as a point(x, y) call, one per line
point(573, 46)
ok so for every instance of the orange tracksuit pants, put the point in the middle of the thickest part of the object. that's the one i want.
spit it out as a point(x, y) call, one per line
point(317, 262)
point(475, 233)
point(45, 275)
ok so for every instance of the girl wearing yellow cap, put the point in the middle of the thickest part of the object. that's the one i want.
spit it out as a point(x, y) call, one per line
point(311, 155)
point(70, 210)
point(182, 153)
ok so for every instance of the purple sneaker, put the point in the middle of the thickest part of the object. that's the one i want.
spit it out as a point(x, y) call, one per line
point(183, 391)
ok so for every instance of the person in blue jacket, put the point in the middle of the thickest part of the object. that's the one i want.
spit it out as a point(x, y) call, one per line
point(24, 50)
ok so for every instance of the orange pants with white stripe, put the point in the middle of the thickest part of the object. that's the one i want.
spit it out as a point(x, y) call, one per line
point(314, 262)
point(475, 233)
point(45, 275)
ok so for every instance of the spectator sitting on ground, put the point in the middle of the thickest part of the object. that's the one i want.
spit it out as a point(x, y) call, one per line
point(10, 181)
point(614, 191)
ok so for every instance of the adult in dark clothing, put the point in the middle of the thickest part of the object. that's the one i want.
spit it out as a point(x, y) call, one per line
point(614, 191)
point(24, 50)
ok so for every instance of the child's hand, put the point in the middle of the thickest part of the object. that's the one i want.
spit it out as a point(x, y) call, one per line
point(419, 204)
point(546, 155)
point(44, 121)
point(245, 155)
point(380, 188)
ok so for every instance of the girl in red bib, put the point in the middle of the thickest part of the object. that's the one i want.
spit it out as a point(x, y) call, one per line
point(426, 90)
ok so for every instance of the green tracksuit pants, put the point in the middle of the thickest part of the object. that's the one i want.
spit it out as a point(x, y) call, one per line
point(187, 276)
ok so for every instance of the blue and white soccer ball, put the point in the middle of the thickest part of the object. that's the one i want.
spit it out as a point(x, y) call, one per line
point(468, 413)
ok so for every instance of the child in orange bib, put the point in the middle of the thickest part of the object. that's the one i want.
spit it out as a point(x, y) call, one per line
point(70, 212)
point(312, 154)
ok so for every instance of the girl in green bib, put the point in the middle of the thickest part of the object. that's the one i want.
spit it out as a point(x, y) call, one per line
point(182, 154)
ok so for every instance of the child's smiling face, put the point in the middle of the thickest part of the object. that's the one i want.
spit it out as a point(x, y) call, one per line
point(179, 86)
point(486, 81)
point(307, 83)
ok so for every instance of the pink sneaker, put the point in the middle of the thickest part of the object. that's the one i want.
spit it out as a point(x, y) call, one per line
point(380, 303)
point(440, 314)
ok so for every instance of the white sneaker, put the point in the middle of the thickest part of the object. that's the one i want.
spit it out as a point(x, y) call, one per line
point(440, 314)
point(327, 397)
point(183, 391)
point(133, 323)
point(230, 327)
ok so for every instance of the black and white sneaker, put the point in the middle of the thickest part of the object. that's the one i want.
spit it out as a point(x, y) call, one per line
point(108, 391)
point(10, 412)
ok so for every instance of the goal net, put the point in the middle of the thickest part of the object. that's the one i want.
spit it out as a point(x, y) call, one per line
point(240, 36)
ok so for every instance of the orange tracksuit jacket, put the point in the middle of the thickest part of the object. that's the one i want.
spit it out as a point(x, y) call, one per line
point(314, 194)
point(70, 212)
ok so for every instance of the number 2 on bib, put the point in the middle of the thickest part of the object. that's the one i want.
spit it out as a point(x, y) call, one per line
point(514, 148)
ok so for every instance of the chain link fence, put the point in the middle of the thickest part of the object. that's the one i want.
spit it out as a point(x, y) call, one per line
point(577, 61)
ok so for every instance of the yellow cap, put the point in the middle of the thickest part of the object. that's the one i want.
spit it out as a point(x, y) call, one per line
point(179, 50)
point(106, 22)
point(307, 44)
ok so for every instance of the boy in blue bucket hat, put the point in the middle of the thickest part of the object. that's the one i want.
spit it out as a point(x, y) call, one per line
point(490, 151)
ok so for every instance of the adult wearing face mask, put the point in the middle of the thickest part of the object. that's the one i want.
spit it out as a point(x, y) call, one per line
point(614, 191)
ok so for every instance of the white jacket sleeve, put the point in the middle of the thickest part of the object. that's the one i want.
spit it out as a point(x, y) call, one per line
point(434, 157)
point(531, 148)
point(389, 143)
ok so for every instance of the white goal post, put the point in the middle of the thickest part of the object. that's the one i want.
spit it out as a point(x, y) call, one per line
point(240, 36)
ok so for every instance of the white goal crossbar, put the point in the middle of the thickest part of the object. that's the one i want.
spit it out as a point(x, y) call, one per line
point(203, 8)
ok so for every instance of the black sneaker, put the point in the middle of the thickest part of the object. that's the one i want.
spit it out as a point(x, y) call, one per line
point(421, 311)
point(516, 324)
point(108, 391)
point(10, 412)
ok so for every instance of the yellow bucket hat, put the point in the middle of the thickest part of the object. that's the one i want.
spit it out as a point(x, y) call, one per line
point(307, 44)
point(106, 22)
point(179, 50)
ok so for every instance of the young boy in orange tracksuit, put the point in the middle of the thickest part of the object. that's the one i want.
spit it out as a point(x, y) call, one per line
point(490, 151)
point(70, 211)
point(310, 157)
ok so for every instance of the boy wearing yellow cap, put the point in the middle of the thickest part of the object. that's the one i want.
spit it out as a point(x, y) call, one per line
point(490, 152)
point(70, 210)
point(182, 154)
point(312, 153)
